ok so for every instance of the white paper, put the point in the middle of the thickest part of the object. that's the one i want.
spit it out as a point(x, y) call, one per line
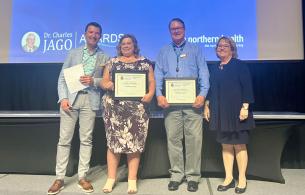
point(72, 76)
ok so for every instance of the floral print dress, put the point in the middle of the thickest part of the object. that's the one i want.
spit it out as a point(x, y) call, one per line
point(126, 122)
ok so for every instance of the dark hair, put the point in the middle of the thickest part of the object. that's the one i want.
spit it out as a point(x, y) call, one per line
point(134, 41)
point(95, 24)
point(231, 43)
point(176, 20)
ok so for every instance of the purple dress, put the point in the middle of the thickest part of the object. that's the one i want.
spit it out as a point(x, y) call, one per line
point(126, 122)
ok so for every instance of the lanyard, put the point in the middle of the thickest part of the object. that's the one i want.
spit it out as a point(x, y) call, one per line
point(178, 50)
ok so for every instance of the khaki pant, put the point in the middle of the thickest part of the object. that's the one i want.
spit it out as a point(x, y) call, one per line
point(184, 123)
point(81, 110)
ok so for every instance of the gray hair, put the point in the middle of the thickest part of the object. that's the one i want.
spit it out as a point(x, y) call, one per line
point(232, 44)
point(31, 35)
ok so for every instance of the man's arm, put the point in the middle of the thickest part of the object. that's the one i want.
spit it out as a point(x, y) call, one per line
point(61, 84)
point(159, 77)
point(203, 79)
point(99, 71)
point(203, 74)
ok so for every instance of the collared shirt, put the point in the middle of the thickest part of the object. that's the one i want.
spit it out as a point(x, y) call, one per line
point(178, 49)
point(180, 45)
point(189, 63)
point(89, 61)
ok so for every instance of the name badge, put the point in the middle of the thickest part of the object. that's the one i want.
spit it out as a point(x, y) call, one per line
point(183, 55)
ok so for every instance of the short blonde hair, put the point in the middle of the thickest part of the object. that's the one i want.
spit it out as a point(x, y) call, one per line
point(231, 43)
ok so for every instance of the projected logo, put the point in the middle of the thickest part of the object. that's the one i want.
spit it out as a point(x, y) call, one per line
point(58, 41)
point(110, 40)
point(107, 40)
point(30, 42)
point(210, 41)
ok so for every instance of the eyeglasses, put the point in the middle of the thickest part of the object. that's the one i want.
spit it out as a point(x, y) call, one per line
point(176, 29)
point(223, 46)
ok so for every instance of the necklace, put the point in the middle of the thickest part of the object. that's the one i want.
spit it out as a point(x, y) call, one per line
point(221, 66)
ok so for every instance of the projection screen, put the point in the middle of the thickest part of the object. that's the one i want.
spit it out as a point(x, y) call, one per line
point(262, 30)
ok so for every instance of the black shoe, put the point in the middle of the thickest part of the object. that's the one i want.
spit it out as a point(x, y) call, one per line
point(192, 186)
point(223, 188)
point(240, 190)
point(173, 185)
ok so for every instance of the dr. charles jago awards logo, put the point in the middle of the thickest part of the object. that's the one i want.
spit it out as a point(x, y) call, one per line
point(30, 42)
point(57, 41)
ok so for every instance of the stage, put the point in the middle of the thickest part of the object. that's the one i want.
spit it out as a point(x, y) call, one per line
point(28, 143)
point(17, 184)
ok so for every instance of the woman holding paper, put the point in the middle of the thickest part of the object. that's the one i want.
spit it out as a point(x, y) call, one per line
point(227, 110)
point(126, 121)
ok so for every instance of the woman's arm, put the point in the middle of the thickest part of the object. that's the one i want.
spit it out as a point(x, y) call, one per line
point(151, 86)
point(106, 82)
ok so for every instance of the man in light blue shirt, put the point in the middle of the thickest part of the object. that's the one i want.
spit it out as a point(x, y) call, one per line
point(182, 59)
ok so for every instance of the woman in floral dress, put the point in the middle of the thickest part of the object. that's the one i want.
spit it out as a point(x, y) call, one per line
point(126, 122)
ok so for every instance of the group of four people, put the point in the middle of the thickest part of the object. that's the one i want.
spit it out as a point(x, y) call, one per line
point(226, 107)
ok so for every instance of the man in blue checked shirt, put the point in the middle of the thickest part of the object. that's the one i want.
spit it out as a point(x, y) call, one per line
point(182, 59)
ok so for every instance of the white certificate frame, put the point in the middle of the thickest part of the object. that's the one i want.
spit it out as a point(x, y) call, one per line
point(180, 91)
point(129, 85)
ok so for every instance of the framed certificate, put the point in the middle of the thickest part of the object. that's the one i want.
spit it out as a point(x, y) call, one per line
point(180, 91)
point(129, 85)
